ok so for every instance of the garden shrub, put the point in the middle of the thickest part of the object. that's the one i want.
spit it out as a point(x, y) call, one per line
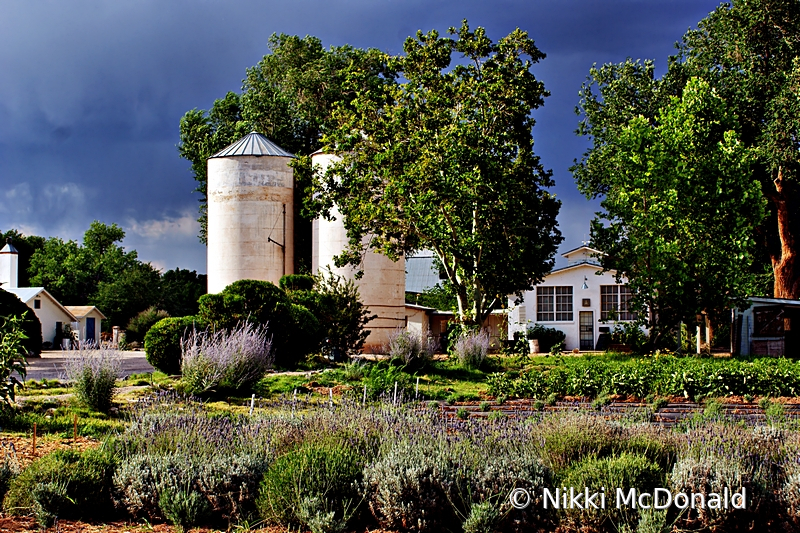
point(471, 349)
point(86, 476)
point(94, 375)
point(315, 483)
point(233, 360)
point(547, 337)
point(162, 343)
point(183, 507)
point(380, 379)
point(11, 306)
point(139, 325)
point(415, 350)
point(296, 282)
point(483, 518)
point(718, 456)
point(226, 482)
point(624, 471)
point(294, 330)
point(406, 487)
point(50, 500)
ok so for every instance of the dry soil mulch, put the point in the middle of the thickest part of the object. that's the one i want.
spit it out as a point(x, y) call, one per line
point(26, 524)
point(22, 447)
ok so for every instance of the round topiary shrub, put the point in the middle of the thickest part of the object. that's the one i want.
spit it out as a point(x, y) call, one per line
point(162, 344)
point(10, 305)
point(297, 282)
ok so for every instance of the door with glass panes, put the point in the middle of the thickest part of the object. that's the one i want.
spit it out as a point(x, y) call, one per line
point(586, 321)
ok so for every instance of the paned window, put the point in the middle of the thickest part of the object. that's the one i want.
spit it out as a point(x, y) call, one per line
point(553, 304)
point(615, 303)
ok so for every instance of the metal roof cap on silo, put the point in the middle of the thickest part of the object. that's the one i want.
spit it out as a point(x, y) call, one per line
point(252, 144)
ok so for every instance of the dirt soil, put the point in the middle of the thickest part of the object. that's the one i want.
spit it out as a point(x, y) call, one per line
point(25, 524)
point(22, 447)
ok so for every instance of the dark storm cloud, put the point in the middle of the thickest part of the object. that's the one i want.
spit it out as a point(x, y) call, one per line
point(91, 93)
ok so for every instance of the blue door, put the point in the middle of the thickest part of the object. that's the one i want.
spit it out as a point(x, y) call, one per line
point(90, 330)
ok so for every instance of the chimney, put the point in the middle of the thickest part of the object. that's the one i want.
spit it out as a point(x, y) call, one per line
point(9, 266)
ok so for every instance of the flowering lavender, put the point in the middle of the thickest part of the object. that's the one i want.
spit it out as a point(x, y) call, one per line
point(231, 360)
point(411, 347)
point(471, 348)
point(94, 374)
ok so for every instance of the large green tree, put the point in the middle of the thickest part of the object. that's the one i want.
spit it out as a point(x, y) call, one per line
point(444, 161)
point(680, 204)
point(749, 50)
point(289, 97)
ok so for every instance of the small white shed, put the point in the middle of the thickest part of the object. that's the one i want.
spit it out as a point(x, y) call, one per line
point(89, 320)
point(51, 314)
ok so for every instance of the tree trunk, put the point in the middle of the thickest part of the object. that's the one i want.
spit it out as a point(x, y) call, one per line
point(785, 266)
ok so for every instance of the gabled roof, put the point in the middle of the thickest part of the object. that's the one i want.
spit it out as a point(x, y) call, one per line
point(252, 144)
point(26, 294)
point(593, 266)
point(580, 249)
point(81, 311)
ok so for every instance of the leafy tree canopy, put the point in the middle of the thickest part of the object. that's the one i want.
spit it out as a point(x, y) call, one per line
point(444, 161)
point(288, 96)
point(680, 204)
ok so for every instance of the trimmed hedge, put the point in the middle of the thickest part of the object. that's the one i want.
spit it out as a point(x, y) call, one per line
point(162, 344)
point(663, 376)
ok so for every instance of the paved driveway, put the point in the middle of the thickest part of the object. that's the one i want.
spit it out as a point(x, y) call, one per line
point(51, 364)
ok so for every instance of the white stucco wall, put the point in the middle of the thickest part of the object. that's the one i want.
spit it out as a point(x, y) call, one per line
point(523, 315)
point(48, 315)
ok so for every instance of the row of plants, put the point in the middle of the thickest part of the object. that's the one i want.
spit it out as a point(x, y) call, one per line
point(408, 468)
point(640, 377)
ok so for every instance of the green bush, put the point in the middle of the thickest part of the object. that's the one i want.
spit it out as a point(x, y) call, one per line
point(139, 325)
point(336, 304)
point(10, 306)
point(183, 507)
point(86, 476)
point(162, 343)
point(94, 375)
point(294, 330)
point(624, 471)
point(316, 481)
point(296, 282)
point(547, 337)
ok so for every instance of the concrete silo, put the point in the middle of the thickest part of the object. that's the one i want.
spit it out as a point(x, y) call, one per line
point(250, 213)
point(382, 287)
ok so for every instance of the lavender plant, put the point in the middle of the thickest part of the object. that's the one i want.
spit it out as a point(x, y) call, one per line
point(94, 375)
point(471, 349)
point(413, 348)
point(234, 359)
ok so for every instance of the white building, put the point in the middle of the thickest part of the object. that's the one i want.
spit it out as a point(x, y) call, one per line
point(580, 299)
point(52, 315)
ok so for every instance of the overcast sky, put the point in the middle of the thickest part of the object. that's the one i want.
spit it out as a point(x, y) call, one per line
point(91, 93)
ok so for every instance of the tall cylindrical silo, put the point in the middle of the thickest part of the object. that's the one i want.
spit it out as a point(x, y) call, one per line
point(382, 287)
point(250, 213)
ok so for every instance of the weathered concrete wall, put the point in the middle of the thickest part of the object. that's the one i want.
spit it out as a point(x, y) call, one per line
point(247, 199)
point(382, 287)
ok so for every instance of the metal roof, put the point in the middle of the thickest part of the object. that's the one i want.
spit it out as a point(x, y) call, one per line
point(421, 273)
point(26, 294)
point(253, 144)
point(9, 249)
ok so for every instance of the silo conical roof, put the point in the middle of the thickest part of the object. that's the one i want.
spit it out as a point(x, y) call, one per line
point(252, 144)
